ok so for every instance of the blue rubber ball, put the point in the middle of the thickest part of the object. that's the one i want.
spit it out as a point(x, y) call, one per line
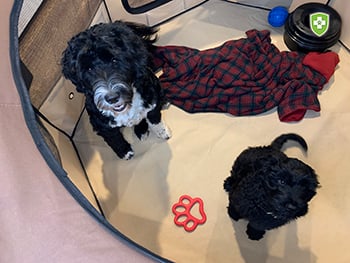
point(277, 16)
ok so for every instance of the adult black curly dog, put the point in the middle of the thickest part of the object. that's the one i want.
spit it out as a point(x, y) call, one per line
point(269, 189)
point(111, 64)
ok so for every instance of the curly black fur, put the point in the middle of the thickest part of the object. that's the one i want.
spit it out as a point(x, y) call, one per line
point(269, 189)
point(117, 57)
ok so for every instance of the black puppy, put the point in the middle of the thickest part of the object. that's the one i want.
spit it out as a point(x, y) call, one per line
point(269, 189)
point(111, 64)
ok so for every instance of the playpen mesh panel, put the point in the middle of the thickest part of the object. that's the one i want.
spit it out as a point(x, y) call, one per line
point(43, 41)
point(55, 100)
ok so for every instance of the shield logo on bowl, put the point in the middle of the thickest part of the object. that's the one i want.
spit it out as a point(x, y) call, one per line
point(319, 23)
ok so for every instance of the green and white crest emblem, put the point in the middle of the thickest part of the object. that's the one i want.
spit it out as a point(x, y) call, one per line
point(319, 23)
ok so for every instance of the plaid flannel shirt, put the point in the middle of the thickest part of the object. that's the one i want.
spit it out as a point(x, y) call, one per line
point(244, 77)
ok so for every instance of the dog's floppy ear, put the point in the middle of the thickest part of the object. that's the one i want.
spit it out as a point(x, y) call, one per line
point(69, 63)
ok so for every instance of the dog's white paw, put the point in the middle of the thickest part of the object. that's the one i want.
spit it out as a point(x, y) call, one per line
point(161, 130)
point(129, 155)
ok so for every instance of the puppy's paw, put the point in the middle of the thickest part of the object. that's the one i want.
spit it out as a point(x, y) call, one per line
point(129, 155)
point(123, 149)
point(254, 234)
point(233, 213)
point(141, 130)
point(161, 130)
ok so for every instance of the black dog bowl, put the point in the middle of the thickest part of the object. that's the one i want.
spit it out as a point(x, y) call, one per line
point(298, 31)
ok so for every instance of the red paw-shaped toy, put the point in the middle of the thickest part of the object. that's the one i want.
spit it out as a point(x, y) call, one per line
point(183, 216)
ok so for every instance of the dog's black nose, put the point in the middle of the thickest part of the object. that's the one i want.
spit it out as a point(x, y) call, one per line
point(112, 98)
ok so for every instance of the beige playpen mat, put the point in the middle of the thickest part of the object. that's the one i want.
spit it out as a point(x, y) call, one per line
point(137, 195)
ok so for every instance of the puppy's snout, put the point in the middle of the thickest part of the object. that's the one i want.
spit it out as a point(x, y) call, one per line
point(112, 98)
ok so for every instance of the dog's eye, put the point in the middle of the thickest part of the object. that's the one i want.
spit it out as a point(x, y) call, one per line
point(281, 182)
point(114, 60)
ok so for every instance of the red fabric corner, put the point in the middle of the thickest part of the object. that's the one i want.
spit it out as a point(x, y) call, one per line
point(324, 63)
point(296, 115)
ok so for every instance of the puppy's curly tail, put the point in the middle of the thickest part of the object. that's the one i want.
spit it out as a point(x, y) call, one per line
point(280, 140)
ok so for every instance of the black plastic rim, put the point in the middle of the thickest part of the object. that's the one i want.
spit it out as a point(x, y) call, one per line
point(298, 35)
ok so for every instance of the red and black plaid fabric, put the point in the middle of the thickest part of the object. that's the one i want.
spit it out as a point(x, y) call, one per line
point(247, 76)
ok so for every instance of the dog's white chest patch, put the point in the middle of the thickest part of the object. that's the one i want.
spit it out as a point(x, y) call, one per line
point(133, 115)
